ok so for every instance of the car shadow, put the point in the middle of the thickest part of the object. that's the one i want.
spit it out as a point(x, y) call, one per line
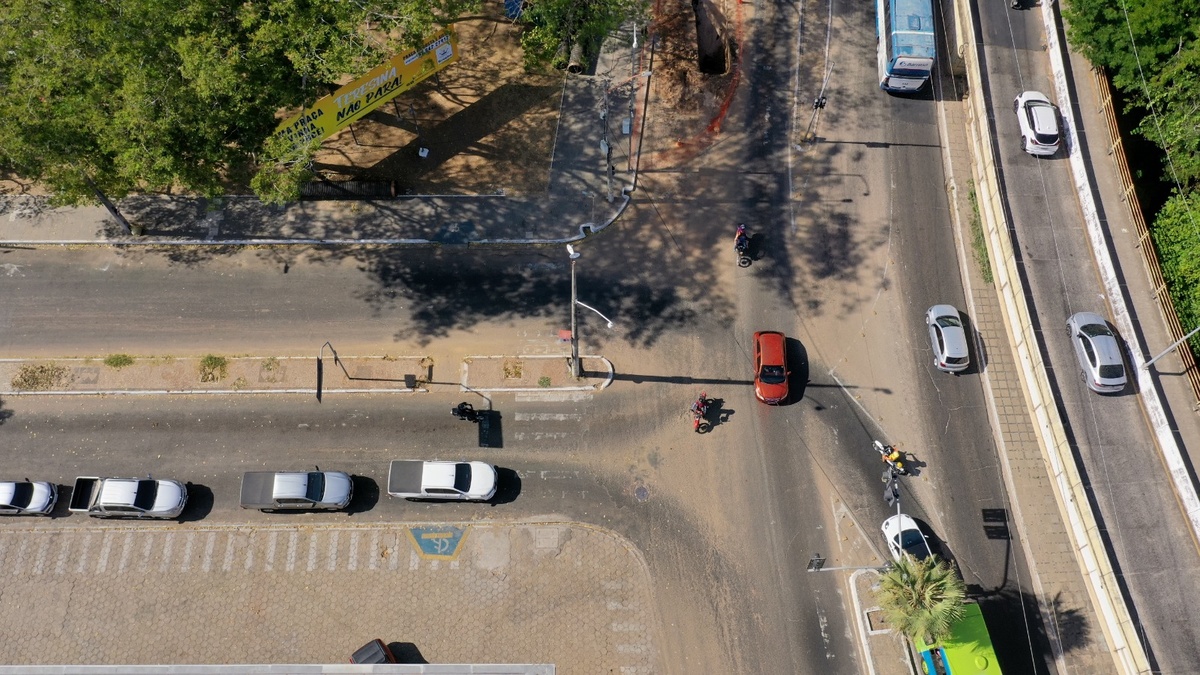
point(508, 486)
point(976, 350)
point(199, 505)
point(366, 494)
point(798, 370)
point(406, 652)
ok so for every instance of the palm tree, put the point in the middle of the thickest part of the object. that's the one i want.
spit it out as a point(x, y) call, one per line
point(922, 598)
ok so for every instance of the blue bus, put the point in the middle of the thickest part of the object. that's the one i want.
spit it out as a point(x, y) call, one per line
point(904, 29)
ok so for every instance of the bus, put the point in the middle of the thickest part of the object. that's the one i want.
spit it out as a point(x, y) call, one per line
point(968, 650)
point(904, 31)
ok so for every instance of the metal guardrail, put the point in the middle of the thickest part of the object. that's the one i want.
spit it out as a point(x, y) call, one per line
point(1166, 306)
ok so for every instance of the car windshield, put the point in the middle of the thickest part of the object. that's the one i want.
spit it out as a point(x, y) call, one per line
point(1095, 330)
point(914, 544)
point(462, 477)
point(1112, 372)
point(147, 490)
point(772, 375)
point(946, 321)
point(22, 495)
point(316, 486)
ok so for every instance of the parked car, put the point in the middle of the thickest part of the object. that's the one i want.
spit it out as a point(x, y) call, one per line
point(1098, 352)
point(949, 339)
point(904, 537)
point(1038, 117)
point(770, 367)
point(374, 651)
point(466, 481)
point(296, 490)
point(22, 498)
point(128, 497)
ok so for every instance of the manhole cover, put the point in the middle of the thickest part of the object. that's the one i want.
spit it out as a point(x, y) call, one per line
point(641, 493)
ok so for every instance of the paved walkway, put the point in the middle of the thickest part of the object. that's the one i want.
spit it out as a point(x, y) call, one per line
point(573, 595)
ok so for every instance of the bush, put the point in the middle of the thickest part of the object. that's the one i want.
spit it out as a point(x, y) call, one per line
point(118, 361)
point(41, 377)
point(213, 368)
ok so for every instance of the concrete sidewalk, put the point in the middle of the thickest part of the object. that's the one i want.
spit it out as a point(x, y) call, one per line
point(595, 131)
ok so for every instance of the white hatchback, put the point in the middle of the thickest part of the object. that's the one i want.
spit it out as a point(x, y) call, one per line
point(1041, 133)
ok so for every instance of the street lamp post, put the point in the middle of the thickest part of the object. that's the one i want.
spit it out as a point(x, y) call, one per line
point(1146, 365)
point(575, 367)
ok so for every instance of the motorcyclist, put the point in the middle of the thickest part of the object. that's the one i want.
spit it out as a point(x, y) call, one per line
point(893, 456)
point(699, 406)
point(741, 240)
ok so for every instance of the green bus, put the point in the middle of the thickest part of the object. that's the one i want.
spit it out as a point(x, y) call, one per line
point(968, 650)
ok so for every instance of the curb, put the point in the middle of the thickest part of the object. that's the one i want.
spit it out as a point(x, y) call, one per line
point(464, 386)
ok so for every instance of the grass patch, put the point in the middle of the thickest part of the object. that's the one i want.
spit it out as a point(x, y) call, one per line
point(544, 381)
point(213, 368)
point(118, 361)
point(41, 377)
point(513, 370)
point(978, 239)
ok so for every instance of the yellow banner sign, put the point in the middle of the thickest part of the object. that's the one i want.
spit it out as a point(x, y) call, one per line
point(354, 100)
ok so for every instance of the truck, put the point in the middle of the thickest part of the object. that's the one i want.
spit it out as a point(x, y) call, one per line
point(418, 479)
point(128, 497)
point(296, 490)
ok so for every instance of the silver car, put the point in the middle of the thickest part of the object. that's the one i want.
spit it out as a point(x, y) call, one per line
point(19, 498)
point(949, 339)
point(1098, 351)
point(1038, 117)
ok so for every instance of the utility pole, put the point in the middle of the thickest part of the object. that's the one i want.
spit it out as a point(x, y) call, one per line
point(575, 370)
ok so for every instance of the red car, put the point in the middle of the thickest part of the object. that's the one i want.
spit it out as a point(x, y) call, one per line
point(770, 367)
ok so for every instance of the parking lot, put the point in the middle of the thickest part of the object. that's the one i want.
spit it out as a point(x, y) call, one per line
point(568, 594)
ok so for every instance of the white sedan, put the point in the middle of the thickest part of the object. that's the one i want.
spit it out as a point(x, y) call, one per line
point(904, 537)
point(19, 498)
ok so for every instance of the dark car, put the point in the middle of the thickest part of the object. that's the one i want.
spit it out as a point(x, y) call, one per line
point(770, 367)
point(373, 652)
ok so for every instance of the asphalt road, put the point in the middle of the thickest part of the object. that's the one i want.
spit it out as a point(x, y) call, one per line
point(1130, 489)
point(854, 243)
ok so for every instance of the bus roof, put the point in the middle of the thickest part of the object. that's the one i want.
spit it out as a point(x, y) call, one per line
point(912, 29)
point(968, 650)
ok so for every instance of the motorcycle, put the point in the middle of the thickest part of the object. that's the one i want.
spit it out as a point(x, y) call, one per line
point(466, 412)
point(741, 246)
point(892, 457)
point(699, 412)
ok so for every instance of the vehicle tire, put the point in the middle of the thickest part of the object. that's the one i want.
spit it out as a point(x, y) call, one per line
point(1015, 108)
point(1024, 144)
point(703, 427)
point(744, 261)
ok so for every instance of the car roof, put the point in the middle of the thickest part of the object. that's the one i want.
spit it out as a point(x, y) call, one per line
point(8, 489)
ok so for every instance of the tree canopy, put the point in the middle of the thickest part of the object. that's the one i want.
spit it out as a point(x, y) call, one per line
point(1152, 50)
point(156, 95)
point(553, 26)
point(922, 598)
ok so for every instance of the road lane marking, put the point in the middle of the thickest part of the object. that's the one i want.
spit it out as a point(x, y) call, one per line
point(228, 564)
point(125, 552)
point(187, 552)
point(168, 543)
point(547, 417)
point(105, 548)
point(269, 564)
point(249, 552)
point(333, 550)
point(373, 558)
point(146, 550)
point(208, 551)
point(353, 551)
point(312, 552)
point(291, 559)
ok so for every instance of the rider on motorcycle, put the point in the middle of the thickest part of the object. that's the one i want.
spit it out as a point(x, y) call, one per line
point(741, 240)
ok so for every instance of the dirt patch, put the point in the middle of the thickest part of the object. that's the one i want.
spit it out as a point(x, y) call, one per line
point(486, 124)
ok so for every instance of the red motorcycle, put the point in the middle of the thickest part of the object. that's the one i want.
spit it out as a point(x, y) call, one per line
point(699, 414)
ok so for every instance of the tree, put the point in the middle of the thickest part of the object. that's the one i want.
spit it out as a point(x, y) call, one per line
point(1103, 31)
point(556, 25)
point(1173, 97)
point(147, 95)
point(922, 598)
point(1176, 235)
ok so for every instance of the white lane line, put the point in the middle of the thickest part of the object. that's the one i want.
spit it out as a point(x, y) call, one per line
point(353, 551)
point(168, 543)
point(125, 552)
point(228, 563)
point(186, 564)
point(547, 417)
point(333, 550)
point(147, 548)
point(541, 435)
point(208, 551)
point(291, 555)
point(40, 561)
point(19, 565)
point(105, 548)
point(271, 539)
point(61, 565)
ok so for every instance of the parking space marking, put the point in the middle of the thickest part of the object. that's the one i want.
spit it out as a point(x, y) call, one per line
point(353, 551)
point(208, 551)
point(83, 554)
point(269, 563)
point(312, 551)
point(373, 558)
point(291, 560)
point(333, 550)
point(187, 551)
point(128, 544)
point(38, 565)
point(168, 545)
point(228, 564)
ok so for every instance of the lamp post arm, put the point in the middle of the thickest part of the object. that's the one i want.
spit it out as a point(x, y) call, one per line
point(587, 306)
